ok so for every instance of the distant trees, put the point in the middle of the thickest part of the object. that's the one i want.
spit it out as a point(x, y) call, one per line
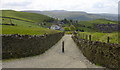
point(71, 20)
point(65, 21)
point(49, 20)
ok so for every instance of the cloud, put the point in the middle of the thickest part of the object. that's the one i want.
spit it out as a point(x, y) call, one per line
point(110, 6)
point(15, 4)
point(18, 4)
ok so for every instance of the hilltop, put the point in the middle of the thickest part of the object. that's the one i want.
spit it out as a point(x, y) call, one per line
point(76, 15)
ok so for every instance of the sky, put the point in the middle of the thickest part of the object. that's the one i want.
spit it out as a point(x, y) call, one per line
point(90, 6)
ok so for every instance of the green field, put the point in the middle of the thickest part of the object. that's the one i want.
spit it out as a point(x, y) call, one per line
point(32, 28)
point(96, 36)
point(23, 27)
point(89, 25)
point(24, 15)
point(97, 21)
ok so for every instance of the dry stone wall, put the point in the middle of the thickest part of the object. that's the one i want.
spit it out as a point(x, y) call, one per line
point(17, 46)
point(104, 54)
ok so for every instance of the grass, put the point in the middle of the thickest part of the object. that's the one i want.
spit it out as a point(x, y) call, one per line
point(22, 27)
point(25, 30)
point(97, 21)
point(91, 23)
point(98, 64)
point(97, 36)
point(37, 18)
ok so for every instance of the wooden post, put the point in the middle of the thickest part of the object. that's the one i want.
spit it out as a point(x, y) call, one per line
point(83, 36)
point(90, 37)
point(63, 47)
point(86, 37)
point(108, 39)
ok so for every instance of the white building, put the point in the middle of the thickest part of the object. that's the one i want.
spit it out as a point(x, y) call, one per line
point(56, 27)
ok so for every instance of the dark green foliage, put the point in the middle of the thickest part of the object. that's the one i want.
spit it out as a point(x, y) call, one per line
point(49, 20)
point(65, 21)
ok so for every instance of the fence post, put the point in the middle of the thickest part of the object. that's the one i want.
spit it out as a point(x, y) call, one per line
point(86, 37)
point(83, 36)
point(63, 47)
point(90, 37)
point(108, 39)
point(79, 35)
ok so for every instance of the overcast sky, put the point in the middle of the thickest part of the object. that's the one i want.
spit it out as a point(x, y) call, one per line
point(91, 6)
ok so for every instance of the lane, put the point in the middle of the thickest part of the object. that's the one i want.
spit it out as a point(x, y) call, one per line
point(54, 58)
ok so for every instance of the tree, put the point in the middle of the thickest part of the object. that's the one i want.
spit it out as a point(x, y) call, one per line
point(76, 21)
point(65, 21)
point(72, 27)
point(49, 20)
point(71, 20)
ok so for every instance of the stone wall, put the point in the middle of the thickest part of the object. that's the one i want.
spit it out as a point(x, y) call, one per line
point(104, 54)
point(106, 28)
point(17, 46)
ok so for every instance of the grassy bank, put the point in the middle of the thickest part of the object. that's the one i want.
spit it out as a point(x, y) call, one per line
point(97, 36)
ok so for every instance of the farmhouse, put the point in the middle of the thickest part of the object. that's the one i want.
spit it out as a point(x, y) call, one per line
point(57, 27)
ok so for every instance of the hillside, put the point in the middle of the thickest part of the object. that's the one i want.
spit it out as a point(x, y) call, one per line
point(24, 16)
point(89, 26)
point(19, 19)
point(97, 21)
point(76, 15)
point(18, 26)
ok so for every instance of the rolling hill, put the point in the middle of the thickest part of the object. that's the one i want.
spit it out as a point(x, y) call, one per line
point(33, 17)
point(21, 24)
point(76, 15)
point(89, 26)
